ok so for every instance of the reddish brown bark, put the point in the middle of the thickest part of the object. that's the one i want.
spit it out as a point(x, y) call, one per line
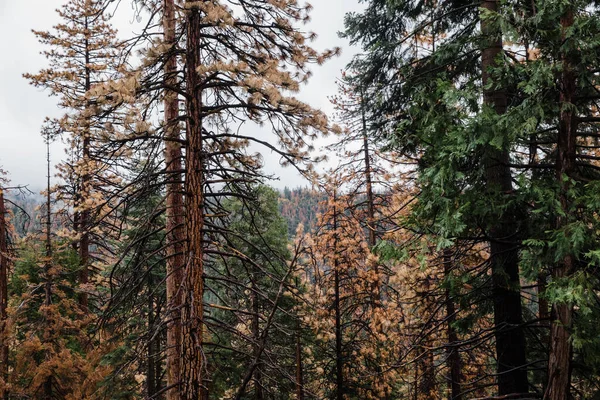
point(559, 362)
point(174, 205)
point(192, 361)
point(4, 265)
point(504, 257)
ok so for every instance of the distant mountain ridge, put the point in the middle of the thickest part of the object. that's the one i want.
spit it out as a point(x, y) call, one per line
point(300, 206)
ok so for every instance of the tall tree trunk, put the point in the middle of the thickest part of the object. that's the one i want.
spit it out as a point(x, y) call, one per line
point(368, 175)
point(559, 363)
point(84, 216)
point(3, 298)
point(175, 236)
point(339, 356)
point(453, 356)
point(193, 361)
point(504, 257)
point(47, 386)
point(376, 285)
point(84, 244)
point(427, 383)
point(299, 368)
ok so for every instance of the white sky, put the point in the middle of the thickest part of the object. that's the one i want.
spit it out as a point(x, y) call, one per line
point(23, 107)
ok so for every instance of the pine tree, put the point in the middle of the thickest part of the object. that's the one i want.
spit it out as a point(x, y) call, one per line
point(236, 69)
point(83, 53)
point(51, 360)
point(247, 293)
point(138, 306)
point(351, 325)
point(174, 200)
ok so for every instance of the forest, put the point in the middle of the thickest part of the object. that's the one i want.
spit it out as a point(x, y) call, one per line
point(443, 247)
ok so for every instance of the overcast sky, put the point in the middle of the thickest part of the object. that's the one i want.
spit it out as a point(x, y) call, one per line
point(23, 107)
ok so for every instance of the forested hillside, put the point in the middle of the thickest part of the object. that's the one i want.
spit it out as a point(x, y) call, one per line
point(448, 246)
point(300, 206)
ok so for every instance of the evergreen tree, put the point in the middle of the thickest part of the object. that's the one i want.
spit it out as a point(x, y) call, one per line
point(345, 309)
point(432, 81)
point(502, 119)
point(53, 358)
point(83, 52)
point(175, 212)
point(247, 293)
point(241, 64)
point(135, 314)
